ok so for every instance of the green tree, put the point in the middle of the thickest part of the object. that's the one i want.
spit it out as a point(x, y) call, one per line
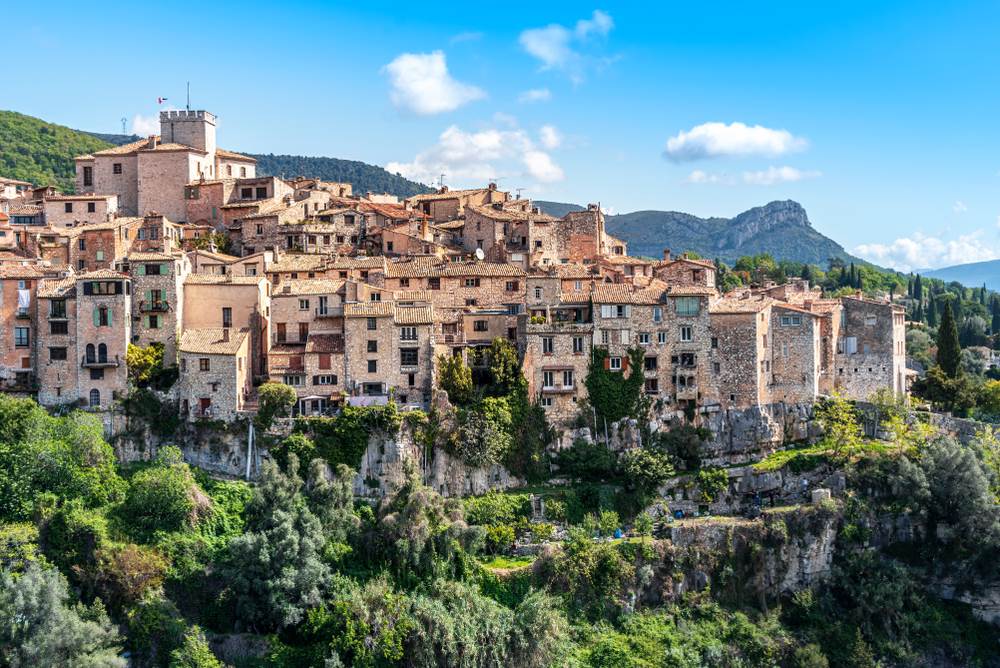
point(455, 378)
point(949, 354)
point(841, 427)
point(505, 368)
point(616, 394)
point(194, 652)
point(165, 496)
point(143, 363)
point(274, 400)
point(41, 628)
point(275, 570)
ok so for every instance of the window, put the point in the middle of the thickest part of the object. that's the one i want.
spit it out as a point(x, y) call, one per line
point(434, 283)
point(57, 354)
point(260, 230)
point(661, 337)
point(372, 346)
point(388, 247)
point(327, 379)
point(687, 305)
point(404, 282)
point(512, 286)
point(227, 316)
point(605, 336)
point(375, 297)
point(548, 379)
point(546, 402)
point(57, 308)
point(870, 320)
point(261, 192)
point(687, 359)
point(643, 338)
point(303, 304)
point(472, 282)
point(715, 342)
point(59, 327)
point(97, 374)
point(411, 379)
point(568, 378)
point(615, 363)
point(652, 386)
point(851, 345)
point(547, 345)
point(649, 363)
point(116, 168)
point(294, 380)
point(407, 333)
point(204, 364)
point(577, 345)
point(153, 321)
point(95, 398)
point(91, 207)
point(791, 320)
point(303, 331)
point(372, 324)
point(538, 293)
point(82, 244)
point(243, 172)
point(716, 367)
point(246, 193)
point(480, 326)
point(616, 311)
point(657, 314)
point(88, 176)
point(408, 357)
point(68, 207)
point(685, 333)
point(99, 256)
point(372, 366)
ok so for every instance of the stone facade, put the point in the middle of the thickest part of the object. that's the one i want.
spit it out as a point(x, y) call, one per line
point(215, 379)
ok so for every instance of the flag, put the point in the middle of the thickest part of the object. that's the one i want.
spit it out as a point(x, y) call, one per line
point(161, 100)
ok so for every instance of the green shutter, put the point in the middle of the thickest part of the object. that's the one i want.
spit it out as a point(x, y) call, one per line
point(140, 270)
point(97, 317)
point(145, 319)
point(149, 297)
point(110, 317)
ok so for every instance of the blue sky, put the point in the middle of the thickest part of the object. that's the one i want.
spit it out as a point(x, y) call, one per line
point(880, 118)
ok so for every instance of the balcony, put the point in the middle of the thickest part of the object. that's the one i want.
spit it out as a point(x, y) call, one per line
point(22, 314)
point(154, 306)
point(97, 362)
point(330, 311)
point(206, 412)
point(58, 315)
point(454, 339)
point(687, 393)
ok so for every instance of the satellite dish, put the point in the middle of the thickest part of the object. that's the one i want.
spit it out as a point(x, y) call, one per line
point(480, 255)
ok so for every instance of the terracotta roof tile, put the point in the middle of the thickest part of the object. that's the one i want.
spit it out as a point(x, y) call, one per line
point(325, 343)
point(368, 309)
point(211, 341)
point(230, 155)
point(414, 315)
point(222, 279)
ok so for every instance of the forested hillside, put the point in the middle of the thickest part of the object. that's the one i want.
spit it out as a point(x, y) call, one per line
point(364, 177)
point(42, 153)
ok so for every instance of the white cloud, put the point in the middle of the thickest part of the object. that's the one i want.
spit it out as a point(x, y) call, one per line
point(550, 137)
point(959, 206)
point(475, 157)
point(421, 84)
point(924, 252)
point(773, 175)
point(535, 95)
point(700, 176)
point(145, 125)
point(719, 140)
point(558, 47)
point(766, 177)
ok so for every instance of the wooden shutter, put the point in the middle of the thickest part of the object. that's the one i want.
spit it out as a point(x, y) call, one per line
point(97, 317)
point(140, 270)
point(110, 317)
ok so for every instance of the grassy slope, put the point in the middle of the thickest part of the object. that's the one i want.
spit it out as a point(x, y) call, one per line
point(40, 152)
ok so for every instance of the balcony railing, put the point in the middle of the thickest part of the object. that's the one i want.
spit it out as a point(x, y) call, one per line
point(22, 314)
point(154, 306)
point(96, 362)
point(58, 315)
point(687, 392)
point(454, 339)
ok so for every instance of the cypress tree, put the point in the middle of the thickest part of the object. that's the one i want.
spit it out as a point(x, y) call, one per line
point(909, 287)
point(918, 315)
point(949, 354)
point(918, 288)
point(932, 312)
point(982, 295)
point(995, 312)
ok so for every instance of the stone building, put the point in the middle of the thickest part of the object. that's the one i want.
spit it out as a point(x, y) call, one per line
point(231, 302)
point(388, 351)
point(19, 325)
point(89, 320)
point(75, 210)
point(446, 204)
point(157, 298)
point(871, 348)
point(215, 380)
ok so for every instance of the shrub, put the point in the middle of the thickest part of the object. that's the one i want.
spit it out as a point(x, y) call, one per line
point(274, 400)
point(711, 483)
point(164, 497)
point(499, 538)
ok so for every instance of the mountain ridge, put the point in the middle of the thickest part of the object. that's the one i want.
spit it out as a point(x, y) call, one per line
point(780, 228)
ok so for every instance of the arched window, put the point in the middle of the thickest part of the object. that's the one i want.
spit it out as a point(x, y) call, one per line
point(95, 398)
point(90, 353)
point(102, 352)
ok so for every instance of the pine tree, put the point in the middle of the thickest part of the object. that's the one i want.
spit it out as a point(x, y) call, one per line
point(949, 354)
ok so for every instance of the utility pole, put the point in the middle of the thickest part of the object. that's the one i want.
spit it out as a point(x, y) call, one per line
point(188, 105)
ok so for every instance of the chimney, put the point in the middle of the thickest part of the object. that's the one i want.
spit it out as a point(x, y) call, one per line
point(492, 186)
point(443, 189)
point(666, 255)
point(225, 334)
point(423, 228)
point(151, 142)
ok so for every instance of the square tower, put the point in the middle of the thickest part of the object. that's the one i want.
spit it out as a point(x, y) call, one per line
point(190, 128)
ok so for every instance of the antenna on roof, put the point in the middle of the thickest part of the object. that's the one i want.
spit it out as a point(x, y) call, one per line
point(517, 192)
point(124, 121)
point(188, 105)
point(441, 181)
